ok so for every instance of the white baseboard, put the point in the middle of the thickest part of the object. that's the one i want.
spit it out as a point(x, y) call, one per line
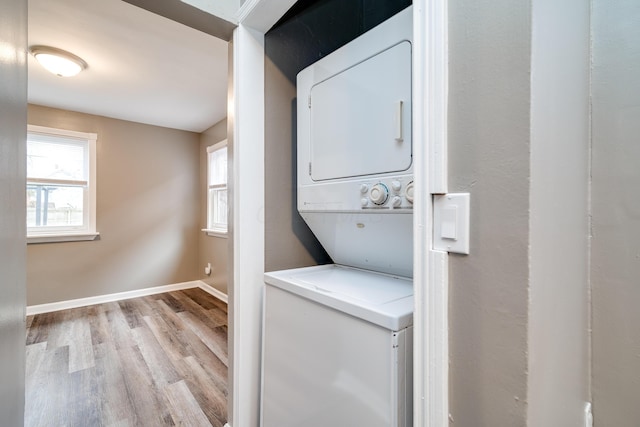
point(83, 302)
point(213, 291)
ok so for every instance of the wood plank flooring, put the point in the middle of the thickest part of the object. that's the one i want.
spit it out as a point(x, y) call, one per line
point(159, 360)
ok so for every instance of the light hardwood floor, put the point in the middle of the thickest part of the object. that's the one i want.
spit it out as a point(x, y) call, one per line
point(159, 360)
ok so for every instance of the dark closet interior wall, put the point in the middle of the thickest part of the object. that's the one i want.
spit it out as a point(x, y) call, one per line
point(310, 30)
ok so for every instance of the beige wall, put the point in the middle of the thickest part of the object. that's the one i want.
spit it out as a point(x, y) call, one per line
point(211, 249)
point(147, 213)
point(489, 52)
point(559, 365)
point(615, 265)
point(519, 143)
point(13, 119)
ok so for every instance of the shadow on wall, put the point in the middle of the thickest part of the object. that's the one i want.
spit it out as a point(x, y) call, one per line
point(298, 225)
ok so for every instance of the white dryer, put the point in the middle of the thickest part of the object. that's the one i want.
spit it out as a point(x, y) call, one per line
point(355, 149)
point(337, 339)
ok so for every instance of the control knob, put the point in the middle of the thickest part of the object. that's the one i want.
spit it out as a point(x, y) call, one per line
point(379, 194)
point(408, 192)
point(364, 188)
point(396, 201)
point(396, 186)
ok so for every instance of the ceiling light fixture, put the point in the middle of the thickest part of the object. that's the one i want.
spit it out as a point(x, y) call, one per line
point(58, 61)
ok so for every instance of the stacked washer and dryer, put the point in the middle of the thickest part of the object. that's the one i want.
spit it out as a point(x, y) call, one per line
point(337, 339)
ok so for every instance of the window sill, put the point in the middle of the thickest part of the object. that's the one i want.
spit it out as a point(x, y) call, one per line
point(215, 233)
point(58, 238)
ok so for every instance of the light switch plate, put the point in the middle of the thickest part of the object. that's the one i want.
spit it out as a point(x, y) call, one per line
point(451, 222)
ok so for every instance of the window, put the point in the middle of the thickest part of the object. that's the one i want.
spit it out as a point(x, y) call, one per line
point(217, 189)
point(61, 185)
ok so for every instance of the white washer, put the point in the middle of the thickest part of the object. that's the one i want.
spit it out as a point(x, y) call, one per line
point(338, 347)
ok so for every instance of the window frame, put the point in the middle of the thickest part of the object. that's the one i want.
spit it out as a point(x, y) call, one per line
point(212, 229)
point(88, 230)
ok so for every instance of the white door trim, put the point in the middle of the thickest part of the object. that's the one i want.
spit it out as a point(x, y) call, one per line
point(430, 267)
point(246, 115)
point(431, 316)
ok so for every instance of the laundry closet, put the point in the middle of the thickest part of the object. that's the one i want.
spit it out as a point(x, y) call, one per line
point(337, 338)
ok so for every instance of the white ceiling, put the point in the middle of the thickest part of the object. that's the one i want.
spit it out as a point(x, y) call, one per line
point(142, 67)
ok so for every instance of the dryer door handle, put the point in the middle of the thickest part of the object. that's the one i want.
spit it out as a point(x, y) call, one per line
point(398, 120)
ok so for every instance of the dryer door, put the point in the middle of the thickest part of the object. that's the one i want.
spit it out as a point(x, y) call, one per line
point(361, 118)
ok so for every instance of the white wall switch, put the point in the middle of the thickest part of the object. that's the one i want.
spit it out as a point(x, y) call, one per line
point(451, 222)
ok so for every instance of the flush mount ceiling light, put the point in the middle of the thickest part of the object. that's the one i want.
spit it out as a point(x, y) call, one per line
point(58, 61)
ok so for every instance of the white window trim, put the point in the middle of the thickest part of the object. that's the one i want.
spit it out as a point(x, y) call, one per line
point(215, 231)
point(66, 237)
point(88, 233)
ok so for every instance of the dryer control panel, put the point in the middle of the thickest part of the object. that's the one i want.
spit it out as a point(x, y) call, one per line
point(394, 193)
point(382, 194)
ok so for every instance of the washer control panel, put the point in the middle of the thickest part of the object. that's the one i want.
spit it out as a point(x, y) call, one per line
point(393, 193)
point(382, 194)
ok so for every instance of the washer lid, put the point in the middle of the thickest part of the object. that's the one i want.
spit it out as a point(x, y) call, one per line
point(379, 298)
